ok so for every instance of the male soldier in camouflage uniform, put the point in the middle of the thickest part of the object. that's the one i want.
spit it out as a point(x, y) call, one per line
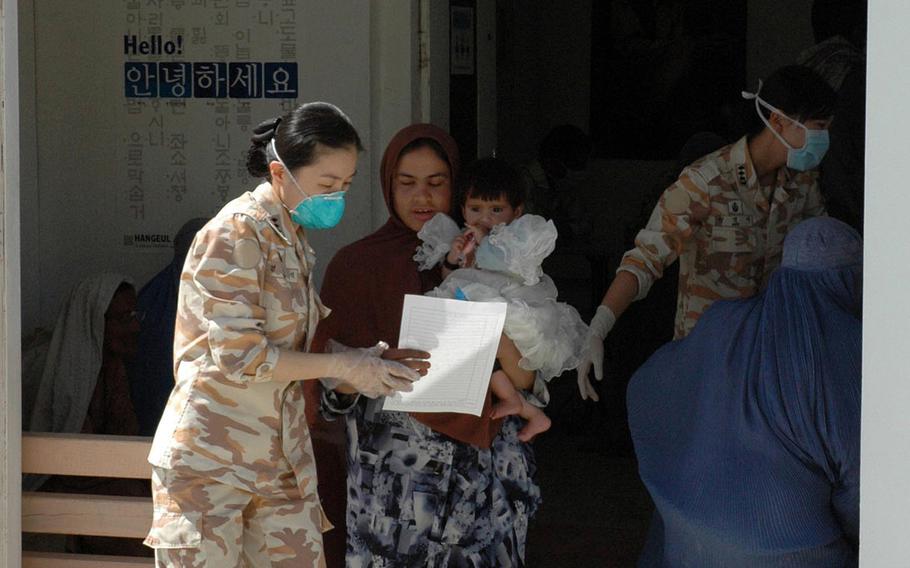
point(726, 216)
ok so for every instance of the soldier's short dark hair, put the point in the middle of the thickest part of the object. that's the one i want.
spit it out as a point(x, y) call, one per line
point(797, 91)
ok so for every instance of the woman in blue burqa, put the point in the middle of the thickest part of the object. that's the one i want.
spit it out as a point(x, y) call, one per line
point(152, 371)
point(747, 431)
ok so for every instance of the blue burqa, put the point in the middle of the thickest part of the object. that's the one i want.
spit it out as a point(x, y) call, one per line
point(151, 372)
point(747, 431)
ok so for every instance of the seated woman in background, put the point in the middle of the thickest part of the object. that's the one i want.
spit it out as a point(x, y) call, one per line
point(81, 385)
point(747, 431)
point(78, 384)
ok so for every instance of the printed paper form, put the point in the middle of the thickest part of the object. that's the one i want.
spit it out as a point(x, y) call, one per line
point(462, 339)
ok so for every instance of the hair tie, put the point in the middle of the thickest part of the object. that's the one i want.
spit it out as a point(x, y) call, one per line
point(275, 124)
point(265, 130)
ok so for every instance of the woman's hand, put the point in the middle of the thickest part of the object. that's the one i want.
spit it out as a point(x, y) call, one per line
point(416, 360)
point(369, 373)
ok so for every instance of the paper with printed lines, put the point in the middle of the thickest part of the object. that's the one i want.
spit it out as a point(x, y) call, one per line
point(462, 339)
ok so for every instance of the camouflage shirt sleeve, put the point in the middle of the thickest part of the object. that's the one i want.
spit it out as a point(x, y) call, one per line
point(678, 213)
point(230, 293)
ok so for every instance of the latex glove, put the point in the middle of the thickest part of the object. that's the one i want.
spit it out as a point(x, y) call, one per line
point(603, 322)
point(365, 370)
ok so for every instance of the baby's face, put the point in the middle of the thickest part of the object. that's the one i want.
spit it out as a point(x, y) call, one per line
point(486, 214)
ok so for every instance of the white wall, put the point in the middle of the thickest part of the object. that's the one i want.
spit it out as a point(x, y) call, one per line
point(778, 31)
point(335, 66)
point(359, 55)
point(395, 81)
point(10, 362)
point(28, 139)
point(885, 477)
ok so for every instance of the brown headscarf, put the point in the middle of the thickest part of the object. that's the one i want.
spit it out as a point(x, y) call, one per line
point(366, 282)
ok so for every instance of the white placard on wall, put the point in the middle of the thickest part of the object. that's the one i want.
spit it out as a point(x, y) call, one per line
point(116, 171)
point(197, 76)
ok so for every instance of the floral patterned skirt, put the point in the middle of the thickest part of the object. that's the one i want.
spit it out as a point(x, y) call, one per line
point(419, 498)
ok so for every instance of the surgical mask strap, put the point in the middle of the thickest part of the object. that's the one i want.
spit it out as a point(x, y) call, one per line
point(331, 196)
point(760, 101)
point(288, 170)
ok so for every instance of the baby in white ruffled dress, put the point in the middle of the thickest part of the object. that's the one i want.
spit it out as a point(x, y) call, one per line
point(498, 258)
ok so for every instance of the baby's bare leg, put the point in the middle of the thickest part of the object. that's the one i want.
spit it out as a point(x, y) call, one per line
point(537, 421)
point(509, 357)
point(510, 402)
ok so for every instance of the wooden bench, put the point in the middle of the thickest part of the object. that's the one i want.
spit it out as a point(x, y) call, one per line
point(78, 514)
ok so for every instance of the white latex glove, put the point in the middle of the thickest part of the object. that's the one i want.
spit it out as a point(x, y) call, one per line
point(365, 370)
point(603, 322)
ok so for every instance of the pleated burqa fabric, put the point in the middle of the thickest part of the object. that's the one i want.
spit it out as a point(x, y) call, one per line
point(747, 431)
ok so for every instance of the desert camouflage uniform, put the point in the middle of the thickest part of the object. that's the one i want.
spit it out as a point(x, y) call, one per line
point(726, 230)
point(234, 474)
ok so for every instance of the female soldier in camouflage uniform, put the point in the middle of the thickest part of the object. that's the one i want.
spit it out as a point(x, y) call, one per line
point(234, 477)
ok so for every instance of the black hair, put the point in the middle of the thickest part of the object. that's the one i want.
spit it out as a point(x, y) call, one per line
point(798, 92)
point(433, 145)
point(123, 287)
point(845, 18)
point(489, 179)
point(298, 135)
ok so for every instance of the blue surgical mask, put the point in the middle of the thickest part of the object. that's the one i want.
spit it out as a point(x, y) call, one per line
point(322, 211)
point(801, 159)
point(810, 155)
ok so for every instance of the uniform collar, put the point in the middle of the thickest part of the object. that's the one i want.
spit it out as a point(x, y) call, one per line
point(276, 215)
point(747, 179)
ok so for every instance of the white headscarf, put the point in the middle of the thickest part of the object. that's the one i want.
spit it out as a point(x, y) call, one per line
point(63, 390)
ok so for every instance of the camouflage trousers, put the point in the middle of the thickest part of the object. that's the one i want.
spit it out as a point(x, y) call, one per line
point(202, 522)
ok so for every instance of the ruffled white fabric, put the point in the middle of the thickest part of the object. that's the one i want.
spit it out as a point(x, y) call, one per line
point(437, 235)
point(522, 246)
point(549, 334)
point(518, 248)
